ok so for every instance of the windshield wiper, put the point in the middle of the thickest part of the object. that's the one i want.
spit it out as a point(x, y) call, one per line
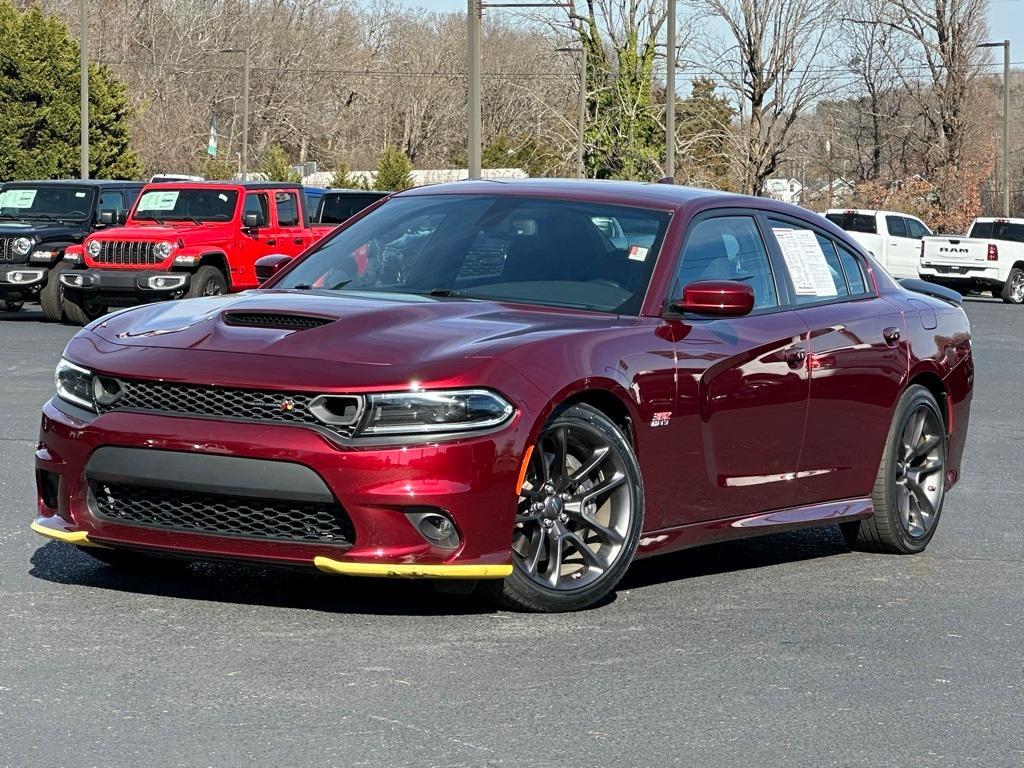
point(150, 218)
point(448, 293)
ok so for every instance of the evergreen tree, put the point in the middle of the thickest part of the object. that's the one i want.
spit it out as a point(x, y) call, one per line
point(703, 142)
point(275, 166)
point(219, 169)
point(39, 90)
point(342, 180)
point(394, 170)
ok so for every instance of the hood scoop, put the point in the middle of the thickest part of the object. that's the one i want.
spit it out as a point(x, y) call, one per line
point(281, 320)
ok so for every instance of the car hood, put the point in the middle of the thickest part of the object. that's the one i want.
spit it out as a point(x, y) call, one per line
point(192, 233)
point(365, 335)
point(45, 231)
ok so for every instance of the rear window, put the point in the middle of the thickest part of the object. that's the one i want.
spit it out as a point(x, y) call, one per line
point(339, 208)
point(854, 222)
point(999, 230)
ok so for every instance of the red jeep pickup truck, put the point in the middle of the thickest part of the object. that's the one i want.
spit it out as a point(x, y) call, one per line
point(185, 240)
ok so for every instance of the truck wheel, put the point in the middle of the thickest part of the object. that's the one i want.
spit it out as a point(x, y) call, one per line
point(910, 485)
point(207, 281)
point(80, 309)
point(7, 305)
point(1013, 288)
point(51, 298)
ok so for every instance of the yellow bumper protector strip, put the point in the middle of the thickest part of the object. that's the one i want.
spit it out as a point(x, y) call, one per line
point(78, 538)
point(412, 570)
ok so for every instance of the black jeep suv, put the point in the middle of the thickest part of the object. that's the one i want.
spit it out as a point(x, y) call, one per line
point(38, 220)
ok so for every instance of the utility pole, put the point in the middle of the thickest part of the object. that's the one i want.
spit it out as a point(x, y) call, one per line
point(1005, 45)
point(244, 156)
point(670, 93)
point(581, 106)
point(83, 46)
point(474, 12)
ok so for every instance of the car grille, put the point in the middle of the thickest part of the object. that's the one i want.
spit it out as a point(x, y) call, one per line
point(275, 320)
point(7, 249)
point(224, 403)
point(222, 514)
point(126, 252)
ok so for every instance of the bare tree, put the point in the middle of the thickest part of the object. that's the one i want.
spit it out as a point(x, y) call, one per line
point(780, 47)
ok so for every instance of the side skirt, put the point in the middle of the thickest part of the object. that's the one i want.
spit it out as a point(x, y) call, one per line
point(760, 524)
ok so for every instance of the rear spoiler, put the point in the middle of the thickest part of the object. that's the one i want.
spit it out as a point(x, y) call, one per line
point(931, 289)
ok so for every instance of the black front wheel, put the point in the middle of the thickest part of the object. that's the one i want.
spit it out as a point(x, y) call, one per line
point(51, 297)
point(207, 281)
point(579, 518)
point(80, 308)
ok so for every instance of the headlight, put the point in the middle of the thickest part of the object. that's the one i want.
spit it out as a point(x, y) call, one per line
point(163, 249)
point(94, 248)
point(412, 413)
point(74, 384)
point(22, 245)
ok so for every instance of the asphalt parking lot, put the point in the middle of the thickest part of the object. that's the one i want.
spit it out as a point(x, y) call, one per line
point(783, 651)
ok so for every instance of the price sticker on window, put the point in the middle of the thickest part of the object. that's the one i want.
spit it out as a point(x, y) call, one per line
point(17, 198)
point(806, 263)
point(159, 201)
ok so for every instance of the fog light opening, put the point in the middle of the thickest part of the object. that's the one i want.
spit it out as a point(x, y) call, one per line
point(47, 484)
point(435, 526)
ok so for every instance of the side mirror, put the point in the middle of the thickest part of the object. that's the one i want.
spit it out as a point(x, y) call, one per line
point(122, 217)
point(721, 298)
point(107, 218)
point(251, 220)
point(268, 266)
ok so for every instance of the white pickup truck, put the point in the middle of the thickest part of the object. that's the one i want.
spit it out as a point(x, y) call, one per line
point(893, 238)
point(990, 258)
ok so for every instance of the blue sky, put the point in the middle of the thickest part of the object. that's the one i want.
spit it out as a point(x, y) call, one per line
point(1006, 21)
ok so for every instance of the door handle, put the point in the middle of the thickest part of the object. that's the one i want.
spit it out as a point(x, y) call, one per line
point(891, 336)
point(795, 356)
point(298, 240)
point(271, 241)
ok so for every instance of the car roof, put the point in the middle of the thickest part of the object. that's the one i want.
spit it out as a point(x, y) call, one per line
point(347, 191)
point(76, 183)
point(210, 184)
point(640, 193)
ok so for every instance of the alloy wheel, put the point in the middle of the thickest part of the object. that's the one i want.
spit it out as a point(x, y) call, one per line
point(1017, 288)
point(575, 509)
point(919, 475)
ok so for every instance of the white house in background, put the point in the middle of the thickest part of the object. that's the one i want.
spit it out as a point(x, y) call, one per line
point(842, 189)
point(419, 177)
point(786, 190)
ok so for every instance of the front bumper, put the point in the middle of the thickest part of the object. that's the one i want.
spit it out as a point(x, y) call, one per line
point(21, 279)
point(472, 480)
point(127, 286)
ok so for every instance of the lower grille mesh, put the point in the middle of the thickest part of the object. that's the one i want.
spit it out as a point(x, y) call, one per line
point(222, 514)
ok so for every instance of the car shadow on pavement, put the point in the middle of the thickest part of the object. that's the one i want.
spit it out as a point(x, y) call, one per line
point(23, 316)
point(309, 590)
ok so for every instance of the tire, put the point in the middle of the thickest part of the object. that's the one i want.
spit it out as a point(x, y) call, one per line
point(7, 305)
point(79, 310)
point(593, 501)
point(51, 298)
point(130, 560)
point(1013, 288)
point(910, 485)
point(207, 281)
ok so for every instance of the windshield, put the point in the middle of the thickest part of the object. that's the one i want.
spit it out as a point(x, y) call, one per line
point(854, 222)
point(44, 202)
point(196, 205)
point(339, 208)
point(538, 251)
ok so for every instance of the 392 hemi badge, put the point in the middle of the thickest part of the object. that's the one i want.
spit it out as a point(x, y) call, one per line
point(661, 418)
point(287, 406)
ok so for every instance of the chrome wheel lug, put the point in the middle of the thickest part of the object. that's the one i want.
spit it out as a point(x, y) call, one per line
point(548, 522)
point(563, 518)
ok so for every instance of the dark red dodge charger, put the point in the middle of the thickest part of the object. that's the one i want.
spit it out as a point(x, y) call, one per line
point(527, 384)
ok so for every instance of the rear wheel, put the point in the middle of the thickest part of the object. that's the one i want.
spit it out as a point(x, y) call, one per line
point(910, 485)
point(81, 309)
point(51, 297)
point(207, 281)
point(579, 517)
point(1013, 288)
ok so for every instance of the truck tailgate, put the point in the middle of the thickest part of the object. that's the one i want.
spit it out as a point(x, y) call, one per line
point(954, 250)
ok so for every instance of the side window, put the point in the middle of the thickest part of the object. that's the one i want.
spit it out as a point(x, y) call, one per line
point(287, 209)
point(854, 272)
point(111, 201)
point(257, 203)
point(816, 285)
point(728, 248)
point(916, 229)
point(896, 225)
